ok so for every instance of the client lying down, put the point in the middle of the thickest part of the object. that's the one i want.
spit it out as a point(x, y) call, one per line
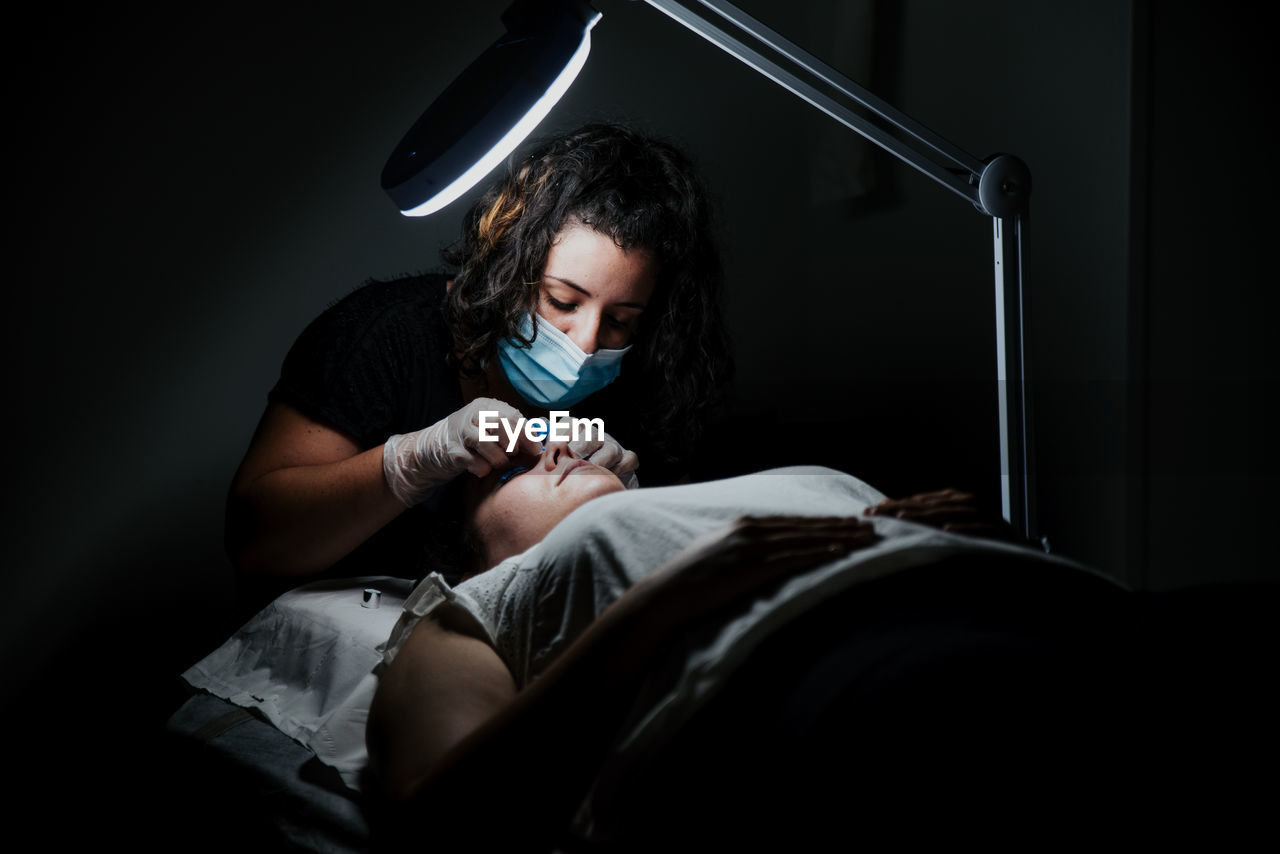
point(611, 619)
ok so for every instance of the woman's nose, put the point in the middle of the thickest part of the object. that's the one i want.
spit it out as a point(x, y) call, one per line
point(586, 333)
point(555, 453)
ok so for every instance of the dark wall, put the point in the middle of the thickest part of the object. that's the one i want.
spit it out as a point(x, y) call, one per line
point(191, 189)
point(1208, 296)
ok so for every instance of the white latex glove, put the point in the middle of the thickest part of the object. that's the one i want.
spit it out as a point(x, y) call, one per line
point(416, 463)
point(608, 453)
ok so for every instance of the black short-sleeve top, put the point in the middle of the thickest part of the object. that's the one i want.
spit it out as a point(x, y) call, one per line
point(372, 365)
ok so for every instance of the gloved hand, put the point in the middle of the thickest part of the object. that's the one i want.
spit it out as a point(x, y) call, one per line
point(416, 463)
point(608, 453)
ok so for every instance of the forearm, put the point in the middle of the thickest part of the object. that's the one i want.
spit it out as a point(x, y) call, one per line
point(300, 520)
point(543, 749)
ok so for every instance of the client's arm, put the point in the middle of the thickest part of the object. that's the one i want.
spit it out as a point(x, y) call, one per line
point(460, 751)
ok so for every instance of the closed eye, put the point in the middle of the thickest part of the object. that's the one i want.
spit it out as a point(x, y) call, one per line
point(507, 475)
point(570, 307)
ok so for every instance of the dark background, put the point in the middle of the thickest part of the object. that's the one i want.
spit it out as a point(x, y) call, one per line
point(189, 188)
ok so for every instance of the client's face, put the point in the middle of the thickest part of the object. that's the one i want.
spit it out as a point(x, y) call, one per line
point(515, 508)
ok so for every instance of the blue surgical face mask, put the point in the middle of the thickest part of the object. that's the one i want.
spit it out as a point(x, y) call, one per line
point(553, 372)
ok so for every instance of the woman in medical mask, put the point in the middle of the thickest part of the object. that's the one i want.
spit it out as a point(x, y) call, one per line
point(586, 280)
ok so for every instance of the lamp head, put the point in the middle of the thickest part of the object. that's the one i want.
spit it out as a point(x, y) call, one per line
point(492, 106)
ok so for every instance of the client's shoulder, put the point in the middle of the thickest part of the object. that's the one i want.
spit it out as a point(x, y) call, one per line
point(820, 480)
point(798, 489)
point(801, 471)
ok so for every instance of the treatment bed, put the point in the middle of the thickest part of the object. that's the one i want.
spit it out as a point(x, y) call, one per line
point(932, 675)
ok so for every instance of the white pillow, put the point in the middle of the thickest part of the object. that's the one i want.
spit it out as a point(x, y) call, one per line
point(306, 663)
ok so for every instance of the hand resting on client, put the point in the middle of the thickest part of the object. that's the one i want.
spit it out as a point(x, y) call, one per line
point(950, 510)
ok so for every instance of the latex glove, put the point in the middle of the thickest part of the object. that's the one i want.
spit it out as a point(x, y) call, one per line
point(609, 453)
point(416, 463)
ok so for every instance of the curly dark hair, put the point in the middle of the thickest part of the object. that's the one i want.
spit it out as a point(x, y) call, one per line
point(643, 193)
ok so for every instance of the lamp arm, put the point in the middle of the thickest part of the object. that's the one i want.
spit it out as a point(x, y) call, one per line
point(1017, 482)
point(999, 187)
point(894, 131)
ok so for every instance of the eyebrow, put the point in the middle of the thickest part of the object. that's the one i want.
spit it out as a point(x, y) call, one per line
point(580, 289)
